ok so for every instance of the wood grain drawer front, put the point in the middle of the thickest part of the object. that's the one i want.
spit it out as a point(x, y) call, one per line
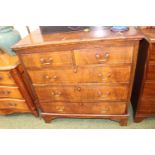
point(149, 90)
point(5, 78)
point(147, 106)
point(84, 108)
point(105, 55)
point(81, 75)
point(13, 104)
point(152, 53)
point(82, 93)
point(10, 92)
point(150, 75)
point(48, 59)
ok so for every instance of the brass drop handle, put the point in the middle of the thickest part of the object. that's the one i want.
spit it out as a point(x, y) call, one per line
point(105, 57)
point(47, 61)
point(1, 78)
point(78, 88)
point(60, 108)
point(101, 94)
point(5, 92)
point(107, 76)
point(12, 104)
point(106, 109)
point(98, 56)
point(51, 78)
point(75, 69)
point(56, 93)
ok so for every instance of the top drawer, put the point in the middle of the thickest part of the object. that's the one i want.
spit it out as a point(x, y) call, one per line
point(48, 59)
point(104, 55)
point(5, 78)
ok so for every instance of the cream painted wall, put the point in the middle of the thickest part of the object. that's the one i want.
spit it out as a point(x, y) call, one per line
point(23, 31)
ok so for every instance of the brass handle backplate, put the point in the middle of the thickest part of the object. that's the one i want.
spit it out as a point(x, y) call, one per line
point(100, 94)
point(51, 78)
point(108, 75)
point(47, 61)
point(56, 93)
point(5, 92)
point(1, 78)
point(12, 104)
point(60, 108)
point(104, 58)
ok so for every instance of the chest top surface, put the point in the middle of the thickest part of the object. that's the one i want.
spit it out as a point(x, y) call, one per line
point(149, 34)
point(36, 38)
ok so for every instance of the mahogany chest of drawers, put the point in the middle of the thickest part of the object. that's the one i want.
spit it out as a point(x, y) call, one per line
point(143, 95)
point(81, 74)
point(14, 95)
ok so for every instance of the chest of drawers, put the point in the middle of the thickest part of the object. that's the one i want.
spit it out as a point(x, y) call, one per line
point(79, 74)
point(143, 96)
point(14, 95)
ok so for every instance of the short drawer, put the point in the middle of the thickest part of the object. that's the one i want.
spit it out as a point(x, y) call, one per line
point(5, 78)
point(82, 93)
point(98, 74)
point(108, 108)
point(150, 75)
point(104, 55)
point(13, 104)
point(149, 91)
point(10, 92)
point(47, 59)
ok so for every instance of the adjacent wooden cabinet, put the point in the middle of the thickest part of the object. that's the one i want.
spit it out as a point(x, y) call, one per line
point(143, 94)
point(14, 94)
point(81, 74)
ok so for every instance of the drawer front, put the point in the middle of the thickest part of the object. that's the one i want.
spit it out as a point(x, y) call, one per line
point(147, 107)
point(10, 92)
point(49, 59)
point(152, 53)
point(150, 75)
point(84, 108)
point(105, 55)
point(5, 78)
point(149, 91)
point(82, 93)
point(81, 75)
point(13, 104)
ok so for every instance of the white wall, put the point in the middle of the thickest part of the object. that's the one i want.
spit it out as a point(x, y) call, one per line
point(23, 31)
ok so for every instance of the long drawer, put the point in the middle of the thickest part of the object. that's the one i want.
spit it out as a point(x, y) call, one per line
point(147, 106)
point(149, 91)
point(109, 108)
point(82, 93)
point(10, 92)
point(150, 75)
point(13, 104)
point(104, 55)
point(152, 53)
point(47, 59)
point(5, 78)
point(81, 75)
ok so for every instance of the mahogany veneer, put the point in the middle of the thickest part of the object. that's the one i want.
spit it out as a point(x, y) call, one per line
point(81, 74)
point(143, 96)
